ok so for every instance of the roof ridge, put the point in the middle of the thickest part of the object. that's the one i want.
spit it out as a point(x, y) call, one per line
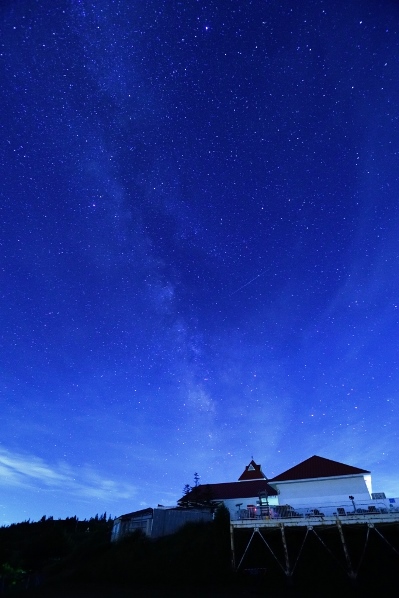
point(318, 467)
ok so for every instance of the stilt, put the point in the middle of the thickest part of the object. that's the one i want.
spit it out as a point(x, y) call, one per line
point(245, 551)
point(288, 571)
point(350, 570)
point(232, 550)
point(372, 526)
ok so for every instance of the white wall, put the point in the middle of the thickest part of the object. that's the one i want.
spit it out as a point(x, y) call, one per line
point(322, 491)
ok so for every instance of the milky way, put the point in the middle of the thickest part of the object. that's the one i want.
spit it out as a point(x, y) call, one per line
point(199, 216)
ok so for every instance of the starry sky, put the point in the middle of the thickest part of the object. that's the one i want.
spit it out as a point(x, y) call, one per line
point(199, 232)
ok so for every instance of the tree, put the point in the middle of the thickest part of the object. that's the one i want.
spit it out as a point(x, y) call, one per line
point(187, 489)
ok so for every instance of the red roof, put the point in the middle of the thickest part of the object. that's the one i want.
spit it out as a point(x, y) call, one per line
point(317, 467)
point(252, 472)
point(248, 489)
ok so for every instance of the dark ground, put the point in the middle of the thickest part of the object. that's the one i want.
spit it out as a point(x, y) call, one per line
point(250, 591)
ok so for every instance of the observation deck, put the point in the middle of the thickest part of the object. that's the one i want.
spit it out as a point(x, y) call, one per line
point(346, 530)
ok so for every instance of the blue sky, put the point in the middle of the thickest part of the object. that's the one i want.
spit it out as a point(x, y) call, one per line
point(198, 226)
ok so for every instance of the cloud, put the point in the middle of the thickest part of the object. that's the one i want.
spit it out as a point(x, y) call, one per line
point(32, 472)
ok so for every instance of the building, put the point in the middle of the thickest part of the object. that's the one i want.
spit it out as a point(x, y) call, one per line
point(157, 522)
point(320, 481)
point(243, 498)
point(314, 483)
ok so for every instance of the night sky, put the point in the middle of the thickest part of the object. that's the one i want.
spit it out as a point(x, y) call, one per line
point(199, 233)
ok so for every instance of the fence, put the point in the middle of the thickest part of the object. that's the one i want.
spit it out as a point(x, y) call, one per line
point(320, 510)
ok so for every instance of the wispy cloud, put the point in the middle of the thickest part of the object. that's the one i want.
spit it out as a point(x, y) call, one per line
point(32, 472)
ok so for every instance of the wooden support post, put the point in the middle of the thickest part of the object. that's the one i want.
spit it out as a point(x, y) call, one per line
point(255, 530)
point(233, 555)
point(287, 571)
point(350, 570)
point(372, 526)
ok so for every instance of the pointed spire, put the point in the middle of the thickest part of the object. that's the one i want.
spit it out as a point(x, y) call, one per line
point(252, 471)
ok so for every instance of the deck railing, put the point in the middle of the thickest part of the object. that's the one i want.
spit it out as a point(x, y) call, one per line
point(342, 509)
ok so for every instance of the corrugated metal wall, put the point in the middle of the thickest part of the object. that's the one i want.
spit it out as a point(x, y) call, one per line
point(168, 521)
